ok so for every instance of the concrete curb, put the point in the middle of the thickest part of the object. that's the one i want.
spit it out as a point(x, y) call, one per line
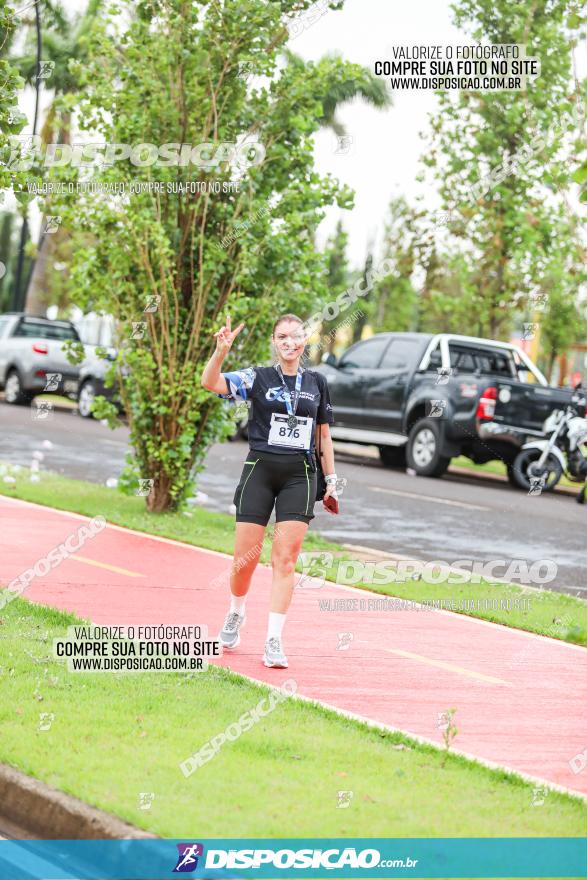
point(499, 478)
point(42, 812)
point(58, 405)
point(368, 452)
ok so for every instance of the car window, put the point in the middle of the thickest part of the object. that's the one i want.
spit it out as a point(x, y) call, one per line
point(486, 362)
point(496, 363)
point(400, 354)
point(45, 330)
point(463, 360)
point(435, 360)
point(3, 326)
point(522, 372)
point(365, 354)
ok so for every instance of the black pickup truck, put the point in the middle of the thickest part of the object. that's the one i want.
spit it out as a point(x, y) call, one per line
point(423, 399)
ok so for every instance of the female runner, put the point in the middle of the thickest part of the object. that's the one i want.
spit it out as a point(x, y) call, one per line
point(288, 406)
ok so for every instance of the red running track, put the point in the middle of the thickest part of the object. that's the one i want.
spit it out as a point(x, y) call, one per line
point(520, 698)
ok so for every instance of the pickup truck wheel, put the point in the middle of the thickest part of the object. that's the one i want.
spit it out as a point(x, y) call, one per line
point(13, 390)
point(393, 456)
point(424, 449)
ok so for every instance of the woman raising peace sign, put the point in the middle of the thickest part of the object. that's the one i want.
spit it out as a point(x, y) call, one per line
point(289, 405)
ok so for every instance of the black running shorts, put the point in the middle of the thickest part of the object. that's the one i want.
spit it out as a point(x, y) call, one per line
point(271, 479)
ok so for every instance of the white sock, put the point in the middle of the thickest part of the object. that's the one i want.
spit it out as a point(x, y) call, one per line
point(275, 626)
point(237, 603)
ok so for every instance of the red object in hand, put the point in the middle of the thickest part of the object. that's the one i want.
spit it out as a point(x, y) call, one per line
point(331, 504)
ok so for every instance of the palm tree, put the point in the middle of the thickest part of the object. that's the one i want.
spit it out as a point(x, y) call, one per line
point(8, 262)
point(373, 91)
point(62, 40)
point(20, 259)
point(370, 88)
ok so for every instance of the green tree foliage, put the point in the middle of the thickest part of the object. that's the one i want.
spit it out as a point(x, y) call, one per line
point(169, 265)
point(577, 23)
point(558, 305)
point(393, 302)
point(9, 239)
point(62, 39)
point(337, 280)
point(448, 301)
point(359, 325)
point(501, 159)
point(12, 120)
point(371, 89)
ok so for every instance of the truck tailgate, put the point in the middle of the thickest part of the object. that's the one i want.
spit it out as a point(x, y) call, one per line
point(527, 406)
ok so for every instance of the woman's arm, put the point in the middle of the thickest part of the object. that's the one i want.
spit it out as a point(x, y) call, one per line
point(212, 378)
point(327, 458)
point(325, 440)
point(326, 449)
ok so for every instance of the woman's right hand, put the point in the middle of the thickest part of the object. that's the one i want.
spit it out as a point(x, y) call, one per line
point(226, 336)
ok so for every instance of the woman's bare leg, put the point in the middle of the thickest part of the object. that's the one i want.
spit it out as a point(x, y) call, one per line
point(287, 544)
point(247, 549)
point(286, 548)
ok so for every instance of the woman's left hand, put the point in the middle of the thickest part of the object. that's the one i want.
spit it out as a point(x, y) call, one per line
point(330, 491)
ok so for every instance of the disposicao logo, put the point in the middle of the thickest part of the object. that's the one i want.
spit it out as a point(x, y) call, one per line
point(187, 860)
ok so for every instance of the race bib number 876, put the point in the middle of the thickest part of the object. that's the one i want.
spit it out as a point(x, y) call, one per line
point(281, 434)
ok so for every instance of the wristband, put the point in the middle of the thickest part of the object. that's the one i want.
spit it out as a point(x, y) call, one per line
point(331, 478)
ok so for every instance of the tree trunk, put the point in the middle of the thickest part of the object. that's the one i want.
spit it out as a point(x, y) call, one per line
point(331, 343)
point(550, 368)
point(159, 498)
point(38, 295)
point(5, 248)
point(35, 303)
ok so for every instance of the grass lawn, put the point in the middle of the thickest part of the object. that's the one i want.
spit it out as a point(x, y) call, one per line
point(58, 400)
point(546, 612)
point(498, 467)
point(115, 736)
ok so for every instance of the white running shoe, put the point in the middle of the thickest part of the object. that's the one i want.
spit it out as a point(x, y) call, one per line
point(229, 635)
point(274, 655)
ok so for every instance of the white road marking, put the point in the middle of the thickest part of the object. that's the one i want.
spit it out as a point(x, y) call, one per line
point(133, 574)
point(428, 498)
point(440, 664)
point(450, 667)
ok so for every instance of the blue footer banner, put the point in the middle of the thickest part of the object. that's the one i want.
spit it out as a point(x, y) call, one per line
point(297, 857)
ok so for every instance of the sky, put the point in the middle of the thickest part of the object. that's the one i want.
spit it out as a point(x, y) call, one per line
point(384, 155)
point(384, 158)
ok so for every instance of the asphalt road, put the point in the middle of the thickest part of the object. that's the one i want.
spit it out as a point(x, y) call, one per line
point(458, 517)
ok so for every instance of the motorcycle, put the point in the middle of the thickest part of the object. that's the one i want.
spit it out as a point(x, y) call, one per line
point(541, 463)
